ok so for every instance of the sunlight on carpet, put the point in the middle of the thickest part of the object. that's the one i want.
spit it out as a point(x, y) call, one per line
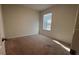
point(63, 46)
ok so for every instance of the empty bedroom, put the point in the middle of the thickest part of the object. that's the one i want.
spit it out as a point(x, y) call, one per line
point(39, 29)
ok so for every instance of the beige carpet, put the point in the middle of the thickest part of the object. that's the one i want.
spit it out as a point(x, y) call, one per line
point(34, 45)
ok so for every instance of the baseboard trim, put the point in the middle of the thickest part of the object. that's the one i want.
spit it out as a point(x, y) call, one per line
point(72, 52)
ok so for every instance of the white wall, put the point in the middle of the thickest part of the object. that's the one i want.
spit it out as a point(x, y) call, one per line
point(62, 23)
point(20, 21)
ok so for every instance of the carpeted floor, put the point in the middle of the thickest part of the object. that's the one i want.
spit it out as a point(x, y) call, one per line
point(33, 45)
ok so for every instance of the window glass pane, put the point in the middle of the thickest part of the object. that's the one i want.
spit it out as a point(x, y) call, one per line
point(47, 19)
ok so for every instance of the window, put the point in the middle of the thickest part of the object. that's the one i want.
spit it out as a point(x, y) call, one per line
point(47, 19)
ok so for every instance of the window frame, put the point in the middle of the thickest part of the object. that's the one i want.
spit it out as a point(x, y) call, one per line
point(43, 22)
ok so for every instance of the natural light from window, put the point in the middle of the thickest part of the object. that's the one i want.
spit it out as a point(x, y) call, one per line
point(63, 46)
point(47, 20)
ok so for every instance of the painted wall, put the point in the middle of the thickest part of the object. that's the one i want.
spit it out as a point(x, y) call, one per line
point(63, 22)
point(20, 21)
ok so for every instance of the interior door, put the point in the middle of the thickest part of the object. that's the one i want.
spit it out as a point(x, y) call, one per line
point(2, 44)
point(75, 41)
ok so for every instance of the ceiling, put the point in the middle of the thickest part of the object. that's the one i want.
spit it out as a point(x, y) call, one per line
point(39, 7)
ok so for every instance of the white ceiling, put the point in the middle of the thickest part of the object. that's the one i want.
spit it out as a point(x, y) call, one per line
point(38, 7)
